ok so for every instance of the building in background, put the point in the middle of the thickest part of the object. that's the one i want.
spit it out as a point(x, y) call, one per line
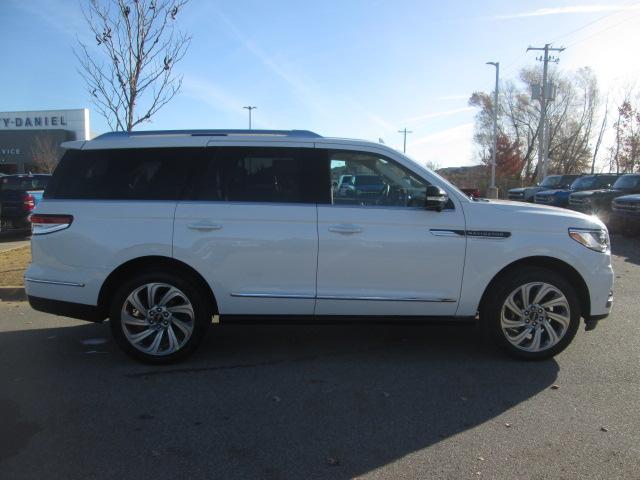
point(30, 141)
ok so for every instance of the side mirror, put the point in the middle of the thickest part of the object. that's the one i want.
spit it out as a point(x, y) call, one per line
point(436, 198)
point(334, 184)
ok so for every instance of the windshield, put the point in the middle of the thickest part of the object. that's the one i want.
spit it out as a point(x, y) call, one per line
point(552, 181)
point(626, 182)
point(584, 183)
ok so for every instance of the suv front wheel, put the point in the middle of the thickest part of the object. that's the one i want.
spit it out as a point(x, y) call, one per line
point(533, 313)
point(159, 317)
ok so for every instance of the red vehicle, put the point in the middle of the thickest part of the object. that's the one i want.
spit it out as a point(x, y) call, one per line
point(472, 192)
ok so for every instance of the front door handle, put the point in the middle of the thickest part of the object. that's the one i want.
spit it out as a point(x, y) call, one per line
point(204, 226)
point(345, 229)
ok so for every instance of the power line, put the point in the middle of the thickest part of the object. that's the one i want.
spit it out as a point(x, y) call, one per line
point(615, 12)
point(603, 30)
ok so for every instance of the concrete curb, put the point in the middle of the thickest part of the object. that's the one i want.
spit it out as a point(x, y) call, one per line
point(12, 294)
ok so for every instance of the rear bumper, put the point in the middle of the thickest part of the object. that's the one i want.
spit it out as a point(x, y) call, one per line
point(80, 311)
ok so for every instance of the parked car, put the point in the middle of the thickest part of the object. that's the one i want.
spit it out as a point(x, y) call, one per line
point(159, 232)
point(598, 202)
point(19, 194)
point(625, 214)
point(550, 182)
point(362, 188)
point(560, 197)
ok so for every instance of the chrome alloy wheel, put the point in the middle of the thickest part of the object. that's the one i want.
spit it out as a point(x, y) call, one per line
point(157, 319)
point(535, 317)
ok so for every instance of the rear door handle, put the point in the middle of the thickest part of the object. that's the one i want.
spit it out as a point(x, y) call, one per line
point(204, 226)
point(345, 229)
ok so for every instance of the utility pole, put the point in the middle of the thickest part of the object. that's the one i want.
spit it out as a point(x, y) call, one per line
point(545, 94)
point(495, 131)
point(404, 131)
point(250, 108)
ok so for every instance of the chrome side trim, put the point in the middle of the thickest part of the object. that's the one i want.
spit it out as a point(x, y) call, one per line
point(272, 295)
point(343, 297)
point(447, 233)
point(54, 282)
point(387, 299)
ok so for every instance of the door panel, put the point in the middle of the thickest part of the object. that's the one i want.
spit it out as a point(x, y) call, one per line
point(380, 252)
point(249, 226)
point(394, 264)
point(258, 258)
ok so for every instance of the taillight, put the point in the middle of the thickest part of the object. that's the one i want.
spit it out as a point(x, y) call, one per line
point(28, 202)
point(42, 223)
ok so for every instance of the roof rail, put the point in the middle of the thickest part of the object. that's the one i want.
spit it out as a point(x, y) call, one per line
point(210, 133)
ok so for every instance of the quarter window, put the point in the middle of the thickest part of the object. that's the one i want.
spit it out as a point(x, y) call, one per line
point(369, 180)
point(114, 174)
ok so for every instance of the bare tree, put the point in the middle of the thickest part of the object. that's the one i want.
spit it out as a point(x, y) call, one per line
point(140, 46)
point(570, 118)
point(45, 153)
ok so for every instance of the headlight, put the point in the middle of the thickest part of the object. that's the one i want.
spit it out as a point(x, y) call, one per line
point(594, 239)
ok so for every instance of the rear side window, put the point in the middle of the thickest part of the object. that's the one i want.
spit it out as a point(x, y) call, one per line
point(261, 174)
point(134, 174)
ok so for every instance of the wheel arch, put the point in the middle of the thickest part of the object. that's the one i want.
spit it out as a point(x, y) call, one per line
point(141, 264)
point(550, 263)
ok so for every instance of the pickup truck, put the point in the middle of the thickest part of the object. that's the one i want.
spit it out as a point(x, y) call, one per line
point(550, 182)
point(19, 195)
point(560, 197)
point(598, 202)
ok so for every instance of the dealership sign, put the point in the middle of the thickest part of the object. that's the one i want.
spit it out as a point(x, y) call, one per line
point(30, 122)
point(76, 121)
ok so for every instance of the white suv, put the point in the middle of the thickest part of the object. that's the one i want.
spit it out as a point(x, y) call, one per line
point(160, 231)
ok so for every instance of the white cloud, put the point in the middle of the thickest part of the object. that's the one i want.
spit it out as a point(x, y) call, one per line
point(205, 91)
point(429, 116)
point(448, 148)
point(458, 96)
point(61, 15)
point(573, 9)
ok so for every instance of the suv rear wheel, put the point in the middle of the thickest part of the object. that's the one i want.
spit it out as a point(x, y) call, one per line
point(533, 313)
point(159, 317)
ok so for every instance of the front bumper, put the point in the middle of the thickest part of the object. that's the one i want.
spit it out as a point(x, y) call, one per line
point(591, 322)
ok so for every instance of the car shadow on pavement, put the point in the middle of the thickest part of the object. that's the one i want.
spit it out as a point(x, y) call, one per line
point(254, 401)
point(626, 247)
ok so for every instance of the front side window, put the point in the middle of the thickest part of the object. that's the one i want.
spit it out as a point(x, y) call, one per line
point(373, 181)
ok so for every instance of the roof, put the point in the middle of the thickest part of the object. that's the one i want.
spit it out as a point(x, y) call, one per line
point(202, 138)
point(211, 133)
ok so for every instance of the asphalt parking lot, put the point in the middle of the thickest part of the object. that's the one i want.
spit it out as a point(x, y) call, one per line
point(279, 402)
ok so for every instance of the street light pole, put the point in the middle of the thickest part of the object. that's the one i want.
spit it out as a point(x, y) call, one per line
point(404, 143)
point(250, 108)
point(495, 124)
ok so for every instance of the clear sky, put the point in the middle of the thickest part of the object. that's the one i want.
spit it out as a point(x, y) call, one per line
point(349, 68)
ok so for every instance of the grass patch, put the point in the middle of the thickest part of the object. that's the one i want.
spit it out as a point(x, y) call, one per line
point(12, 266)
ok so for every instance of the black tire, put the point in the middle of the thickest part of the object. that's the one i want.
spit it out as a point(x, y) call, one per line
point(194, 294)
point(491, 310)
